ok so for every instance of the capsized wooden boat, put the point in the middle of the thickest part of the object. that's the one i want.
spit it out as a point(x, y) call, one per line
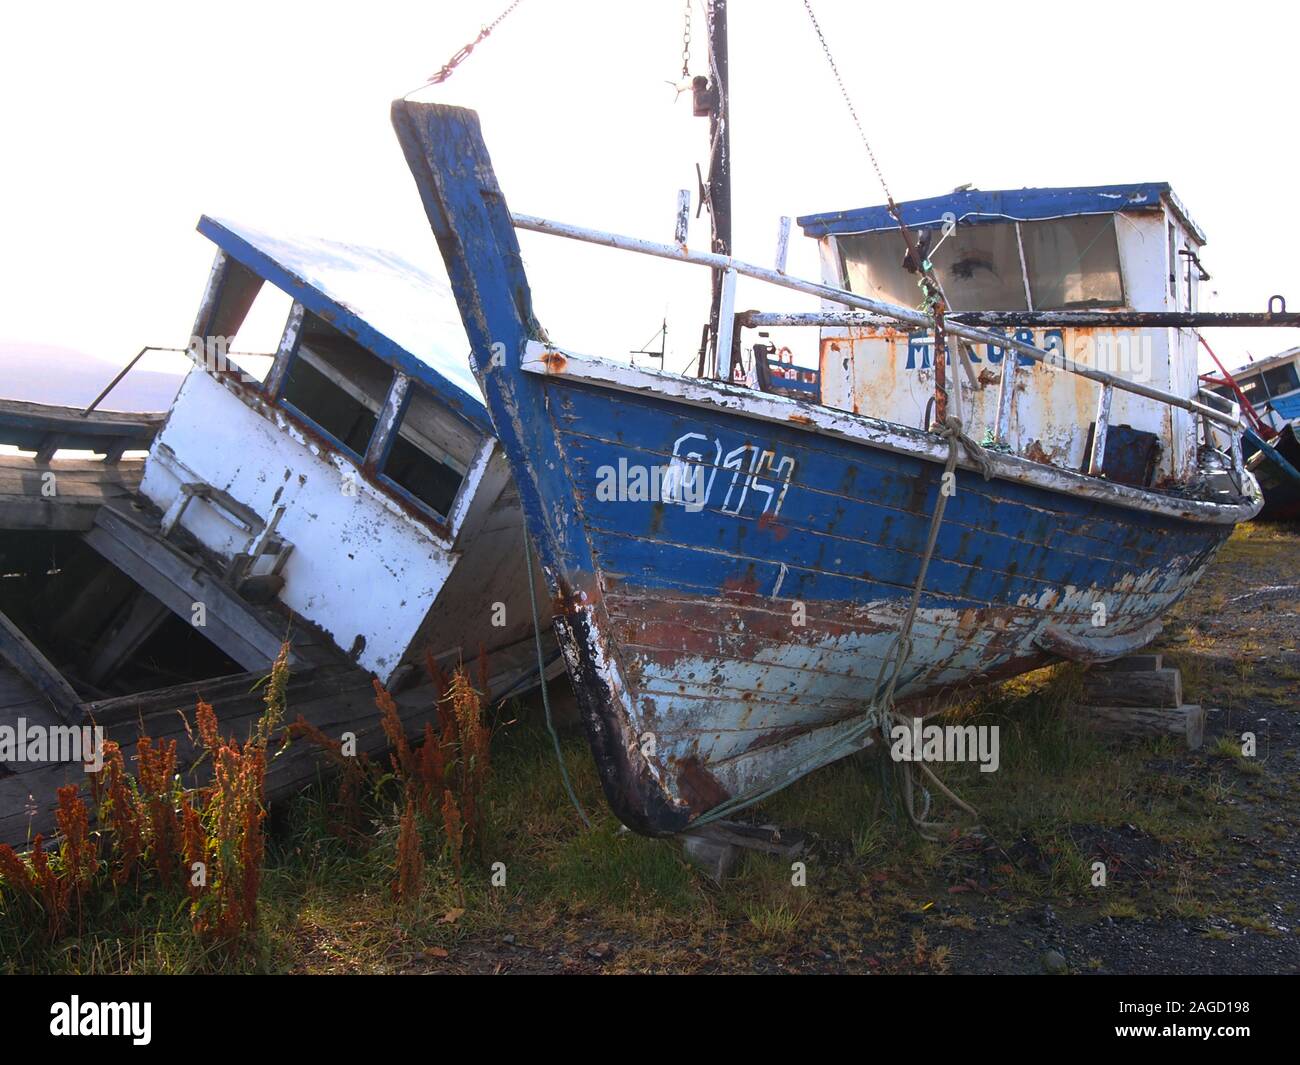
point(352, 478)
point(727, 632)
point(341, 489)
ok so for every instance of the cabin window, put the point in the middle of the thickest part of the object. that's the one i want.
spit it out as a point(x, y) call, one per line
point(1073, 263)
point(243, 325)
point(252, 348)
point(978, 267)
point(1069, 263)
point(873, 266)
point(430, 453)
point(1281, 379)
point(336, 384)
point(1250, 388)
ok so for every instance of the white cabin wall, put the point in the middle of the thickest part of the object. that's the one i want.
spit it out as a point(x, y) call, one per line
point(359, 565)
point(1185, 348)
point(1142, 355)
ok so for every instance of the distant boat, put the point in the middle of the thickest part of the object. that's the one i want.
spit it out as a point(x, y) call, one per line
point(731, 568)
point(1269, 394)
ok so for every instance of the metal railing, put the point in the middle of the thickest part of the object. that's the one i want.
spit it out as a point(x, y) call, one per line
point(882, 313)
point(732, 268)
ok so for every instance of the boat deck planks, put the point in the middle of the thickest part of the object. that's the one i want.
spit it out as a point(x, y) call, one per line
point(333, 698)
point(80, 488)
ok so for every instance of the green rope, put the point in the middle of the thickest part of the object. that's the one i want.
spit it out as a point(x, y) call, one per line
point(541, 676)
point(880, 711)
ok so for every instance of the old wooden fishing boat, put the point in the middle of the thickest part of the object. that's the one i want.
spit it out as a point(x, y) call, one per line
point(735, 629)
point(341, 490)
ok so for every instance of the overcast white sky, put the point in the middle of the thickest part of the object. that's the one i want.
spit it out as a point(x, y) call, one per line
point(120, 124)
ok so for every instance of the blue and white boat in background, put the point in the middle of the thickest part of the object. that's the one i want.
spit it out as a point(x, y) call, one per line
point(1269, 394)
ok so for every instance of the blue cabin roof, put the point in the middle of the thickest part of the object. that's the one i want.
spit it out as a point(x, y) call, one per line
point(974, 206)
point(391, 307)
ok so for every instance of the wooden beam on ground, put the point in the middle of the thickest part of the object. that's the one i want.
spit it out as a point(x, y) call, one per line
point(179, 581)
point(25, 657)
point(1139, 688)
point(1133, 664)
point(1186, 722)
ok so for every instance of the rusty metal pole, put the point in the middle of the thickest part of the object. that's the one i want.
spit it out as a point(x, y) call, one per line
point(940, 367)
point(113, 383)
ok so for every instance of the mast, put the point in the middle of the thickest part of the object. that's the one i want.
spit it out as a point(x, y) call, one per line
point(711, 98)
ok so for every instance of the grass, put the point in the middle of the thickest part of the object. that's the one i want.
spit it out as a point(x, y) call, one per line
point(876, 896)
point(543, 879)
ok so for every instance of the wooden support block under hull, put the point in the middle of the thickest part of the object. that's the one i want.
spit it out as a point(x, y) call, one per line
point(1132, 664)
point(1186, 722)
point(1152, 687)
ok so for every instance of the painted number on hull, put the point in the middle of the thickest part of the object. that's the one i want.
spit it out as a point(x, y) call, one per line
point(756, 479)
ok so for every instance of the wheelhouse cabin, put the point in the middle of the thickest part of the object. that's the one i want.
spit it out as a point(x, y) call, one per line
point(348, 470)
point(1107, 248)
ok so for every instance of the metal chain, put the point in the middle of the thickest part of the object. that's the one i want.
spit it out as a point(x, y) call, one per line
point(463, 54)
point(686, 43)
point(848, 100)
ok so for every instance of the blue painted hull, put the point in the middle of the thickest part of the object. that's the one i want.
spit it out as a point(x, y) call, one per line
point(726, 585)
point(744, 638)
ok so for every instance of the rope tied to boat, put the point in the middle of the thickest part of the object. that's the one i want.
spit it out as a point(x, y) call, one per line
point(900, 650)
point(954, 432)
point(879, 715)
point(541, 677)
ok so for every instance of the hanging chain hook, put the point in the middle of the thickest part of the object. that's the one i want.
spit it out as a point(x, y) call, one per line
point(686, 44)
point(450, 66)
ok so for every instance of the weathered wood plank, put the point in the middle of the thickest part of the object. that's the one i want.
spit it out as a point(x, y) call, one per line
point(1186, 722)
point(25, 657)
point(63, 494)
point(1138, 688)
point(180, 582)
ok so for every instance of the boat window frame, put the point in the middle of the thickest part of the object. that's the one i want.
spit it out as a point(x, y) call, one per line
point(369, 465)
point(1031, 302)
point(404, 390)
point(280, 400)
point(229, 280)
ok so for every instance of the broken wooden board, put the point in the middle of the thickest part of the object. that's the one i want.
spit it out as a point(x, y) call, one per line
point(250, 634)
point(26, 660)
